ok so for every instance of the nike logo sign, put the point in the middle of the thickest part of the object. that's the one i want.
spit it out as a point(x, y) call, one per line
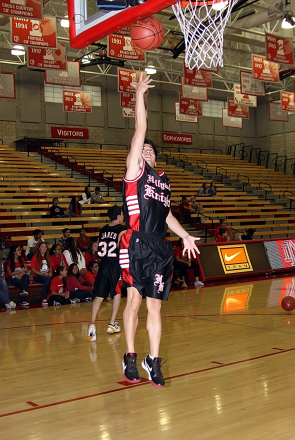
point(227, 258)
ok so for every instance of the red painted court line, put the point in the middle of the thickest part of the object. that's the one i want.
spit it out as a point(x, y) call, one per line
point(32, 403)
point(275, 348)
point(145, 383)
point(218, 363)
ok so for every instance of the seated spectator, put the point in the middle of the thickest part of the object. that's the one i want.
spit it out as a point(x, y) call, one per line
point(223, 236)
point(78, 289)
point(58, 294)
point(75, 208)
point(92, 270)
point(249, 234)
point(212, 190)
point(83, 241)
point(234, 236)
point(72, 254)
point(183, 263)
point(41, 269)
point(97, 197)
point(33, 243)
point(195, 206)
point(55, 210)
point(203, 192)
point(86, 197)
point(4, 292)
point(17, 273)
point(91, 253)
point(55, 256)
point(66, 233)
point(223, 225)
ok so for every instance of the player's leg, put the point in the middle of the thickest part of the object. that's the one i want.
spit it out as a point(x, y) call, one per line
point(92, 327)
point(113, 327)
point(130, 320)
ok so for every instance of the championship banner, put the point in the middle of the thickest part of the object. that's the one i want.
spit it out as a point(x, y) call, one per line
point(124, 31)
point(287, 101)
point(128, 100)
point(250, 86)
point(279, 49)
point(74, 101)
point(183, 118)
point(70, 77)
point(48, 58)
point(69, 133)
point(175, 138)
point(197, 78)
point(276, 113)
point(121, 46)
point(126, 78)
point(240, 98)
point(34, 32)
point(237, 110)
point(197, 93)
point(230, 121)
point(264, 70)
point(7, 85)
point(22, 8)
point(190, 106)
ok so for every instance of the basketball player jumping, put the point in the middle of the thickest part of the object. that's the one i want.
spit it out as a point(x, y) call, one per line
point(145, 258)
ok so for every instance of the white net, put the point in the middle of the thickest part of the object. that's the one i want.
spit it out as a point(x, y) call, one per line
point(203, 29)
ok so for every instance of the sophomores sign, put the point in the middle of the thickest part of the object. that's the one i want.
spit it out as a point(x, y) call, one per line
point(175, 138)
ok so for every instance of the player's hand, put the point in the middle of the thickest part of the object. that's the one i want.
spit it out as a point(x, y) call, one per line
point(143, 84)
point(189, 246)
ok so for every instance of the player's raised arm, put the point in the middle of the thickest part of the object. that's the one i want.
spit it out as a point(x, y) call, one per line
point(134, 158)
point(188, 240)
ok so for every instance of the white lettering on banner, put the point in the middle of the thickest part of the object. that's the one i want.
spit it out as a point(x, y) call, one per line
point(176, 138)
point(70, 133)
point(150, 193)
point(289, 251)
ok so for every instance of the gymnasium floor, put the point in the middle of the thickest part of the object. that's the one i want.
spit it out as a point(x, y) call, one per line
point(229, 370)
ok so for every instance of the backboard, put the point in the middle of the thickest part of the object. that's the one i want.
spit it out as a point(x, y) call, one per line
point(89, 24)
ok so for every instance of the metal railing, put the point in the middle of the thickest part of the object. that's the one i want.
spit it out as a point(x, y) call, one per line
point(269, 155)
point(263, 157)
point(288, 198)
point(98, 145)
point(266, 191)
point(239, 179)
point(243, 154)
point(222, 175)
point(1, 140)
point(280, 162)
point(231, 149)
point(292, 166)
point(200, 166)
point(108, 180)
point(251, 152)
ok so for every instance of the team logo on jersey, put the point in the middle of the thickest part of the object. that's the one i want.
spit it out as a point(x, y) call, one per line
point(159, 282)
point(151, 193)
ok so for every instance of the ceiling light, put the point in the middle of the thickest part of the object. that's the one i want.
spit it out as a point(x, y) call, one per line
point(150, 69)
point(87, 59)
point(220, 5)
point(17, 50)
point(64, 22)
point(288, 22)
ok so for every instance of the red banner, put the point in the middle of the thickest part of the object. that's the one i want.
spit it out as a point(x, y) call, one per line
point(264, 70)
point(7, 85)
point(48, 58)
point(237, 110)
point(70, 77)
point(124, 31)
point(184, 118)
point(175, 138)
point(128, 100)
point(197, 78)
point(22, 8)
point(231, 121)
point(74, 101)
point(279, 49)
point(192, 92)
point(242, 99)
point(287, 101)
point(69, 133)
point(276, 113)
point(122, 47)
point(34, 32)
point(126, 78)
point(190, 106)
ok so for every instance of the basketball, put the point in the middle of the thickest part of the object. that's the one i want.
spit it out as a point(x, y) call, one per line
point(147, 34)
point(288, 303)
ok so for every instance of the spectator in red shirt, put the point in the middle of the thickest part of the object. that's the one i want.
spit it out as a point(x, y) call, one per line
point(58, 294)
point(91, 254)
point(41, 269)
point(91, 273)
point(78, 287)
point(55, 256)
point(17, 273)
point(223, 236)
point(183, 263)
point(83, 241)
point(223, 225)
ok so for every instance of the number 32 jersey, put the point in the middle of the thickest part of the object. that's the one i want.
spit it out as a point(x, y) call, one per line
point(108, 242)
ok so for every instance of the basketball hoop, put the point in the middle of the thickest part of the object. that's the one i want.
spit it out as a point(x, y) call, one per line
point(203, 25)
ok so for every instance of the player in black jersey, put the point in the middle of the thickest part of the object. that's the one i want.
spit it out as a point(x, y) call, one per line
point(145, 258)
point(109, 271)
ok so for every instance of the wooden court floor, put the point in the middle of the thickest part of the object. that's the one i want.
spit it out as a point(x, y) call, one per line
point(230, 370)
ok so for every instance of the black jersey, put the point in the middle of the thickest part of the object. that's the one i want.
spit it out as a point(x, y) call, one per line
point(147, 201)
point(108, 241)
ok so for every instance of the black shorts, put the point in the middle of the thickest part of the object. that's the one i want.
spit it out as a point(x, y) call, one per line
point(146, 262)
point(107, 279)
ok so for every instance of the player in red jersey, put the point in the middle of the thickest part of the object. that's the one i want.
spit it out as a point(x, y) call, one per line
point(146, 259)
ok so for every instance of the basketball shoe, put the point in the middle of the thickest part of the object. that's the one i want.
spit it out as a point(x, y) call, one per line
point(113, 328)
point(91, 332)
point(130, 370)
point(153, 368)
